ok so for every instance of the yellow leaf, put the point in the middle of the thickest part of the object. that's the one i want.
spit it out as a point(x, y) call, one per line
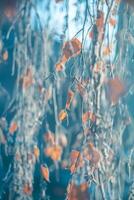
point(62, 115)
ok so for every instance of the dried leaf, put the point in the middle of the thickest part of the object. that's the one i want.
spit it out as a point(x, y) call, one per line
point(74, 156)
point(5, 55)
point(62, 115)
point(76, 161)
point(73, 168)
point(75, 192)
point(115, 89)
point(13, 127)
point(45, 172)
point(48, 151)
point(70, 49)
point(99, 67)
point(54, 152)
point(112, 21)
point(59, 67)
point(36, 152)
point(95, 154)
point(27, 189)
point(84, 186)
point(88, 116)
point(106, 51)
point(69, 99)
point(100, 20)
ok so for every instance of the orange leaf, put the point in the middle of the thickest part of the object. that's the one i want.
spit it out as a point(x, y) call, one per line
point(13, 127)
point(77, 192)
point(99, 67)
point(59, 67)
point(5, 55)
point(48, 151)
point(88, 115)
point(54, 152)
point(112, 21)
point(76, 161)
point(85, 117)
point(36, 152)
point(69, 99)
point(106, 51)
point(62, 115)
point(84, 186)
point(74, 156)
point(27, 189)
point(95, 154)
point(45, 172)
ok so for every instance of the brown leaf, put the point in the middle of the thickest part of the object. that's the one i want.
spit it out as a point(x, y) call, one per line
point(115, 89)
point(70, 49)
point(27, 189)
point(95, 154)
point(88, 116)
point(69, 99)
point(13, 127)
point(78, 192)
point(76, 161)
point(74, 156)
point(45, 172)
point(100, 20)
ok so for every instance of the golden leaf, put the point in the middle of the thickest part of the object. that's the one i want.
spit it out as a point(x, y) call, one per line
point(62, 115)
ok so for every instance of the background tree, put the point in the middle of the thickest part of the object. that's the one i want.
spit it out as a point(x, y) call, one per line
point(68, 117)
